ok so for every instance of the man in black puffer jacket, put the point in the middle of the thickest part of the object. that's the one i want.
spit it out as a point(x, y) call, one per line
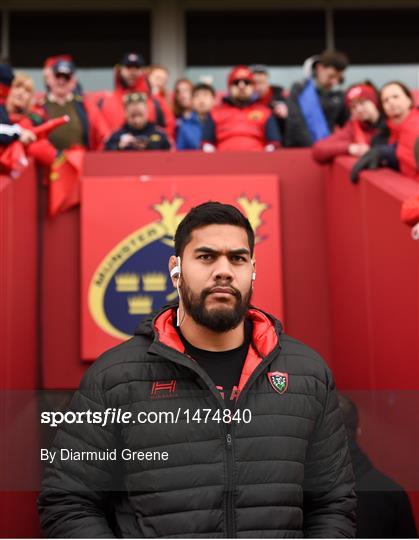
point(275, 465)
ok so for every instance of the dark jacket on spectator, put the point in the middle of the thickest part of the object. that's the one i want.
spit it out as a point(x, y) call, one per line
point(384, 509)
point(286, 473)
point(151, 136)
point(334, 109)
point(337, 144)
point(9, 132)
point(274, 96)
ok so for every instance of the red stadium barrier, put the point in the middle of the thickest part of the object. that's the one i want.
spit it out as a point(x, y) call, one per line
point(373, 272)
point(373, 268)
point(19, 330)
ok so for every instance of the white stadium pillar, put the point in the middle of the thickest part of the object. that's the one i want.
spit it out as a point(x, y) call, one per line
point(168, 40)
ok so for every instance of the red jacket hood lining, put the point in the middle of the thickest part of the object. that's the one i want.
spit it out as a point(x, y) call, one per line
point(264, 339)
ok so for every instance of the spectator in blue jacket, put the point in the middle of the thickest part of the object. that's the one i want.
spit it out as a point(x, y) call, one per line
point(189, 132)
point(315, 105)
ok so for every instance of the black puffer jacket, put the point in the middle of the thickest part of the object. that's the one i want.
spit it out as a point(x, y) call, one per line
point(242, 481)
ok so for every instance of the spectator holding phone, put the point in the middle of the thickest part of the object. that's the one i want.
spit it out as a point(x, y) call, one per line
point(137, 133)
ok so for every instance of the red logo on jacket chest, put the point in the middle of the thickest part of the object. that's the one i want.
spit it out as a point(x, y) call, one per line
point(163, 389)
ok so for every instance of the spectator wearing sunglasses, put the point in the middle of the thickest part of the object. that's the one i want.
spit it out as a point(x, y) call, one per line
point(86, 127)
point(315, 106)
point(137, 133)
point(240, 122)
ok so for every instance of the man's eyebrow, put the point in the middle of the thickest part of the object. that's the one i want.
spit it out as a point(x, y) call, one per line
point(205, 249)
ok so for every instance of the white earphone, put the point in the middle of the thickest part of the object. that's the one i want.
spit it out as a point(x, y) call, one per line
point(175, 271)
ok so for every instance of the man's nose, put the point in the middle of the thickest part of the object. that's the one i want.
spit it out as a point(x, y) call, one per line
point(223, 269)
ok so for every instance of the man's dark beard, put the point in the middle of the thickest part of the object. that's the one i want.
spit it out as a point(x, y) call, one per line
point(220, 319)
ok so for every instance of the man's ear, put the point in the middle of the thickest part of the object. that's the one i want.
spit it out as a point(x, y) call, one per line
point(253, 270)
point(172, 263)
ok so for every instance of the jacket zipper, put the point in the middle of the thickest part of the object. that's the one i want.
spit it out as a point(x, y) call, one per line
point(230, 508)
point(179, 358)
point(230, 529)
point(230, 483)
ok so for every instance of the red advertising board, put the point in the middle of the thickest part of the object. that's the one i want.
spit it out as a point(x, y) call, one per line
point(127, 229)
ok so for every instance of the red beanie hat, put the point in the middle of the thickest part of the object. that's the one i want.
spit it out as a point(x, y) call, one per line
point(361, 91)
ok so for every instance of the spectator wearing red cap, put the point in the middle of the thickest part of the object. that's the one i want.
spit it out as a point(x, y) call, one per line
point(130, 77)
point(49, 74)
point(366, 127)
point(315, 107)
point(240, 122)
point(86, 127)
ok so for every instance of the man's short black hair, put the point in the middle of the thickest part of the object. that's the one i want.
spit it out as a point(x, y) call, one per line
point(203, 86)
point(211, 213)
point(335, 59)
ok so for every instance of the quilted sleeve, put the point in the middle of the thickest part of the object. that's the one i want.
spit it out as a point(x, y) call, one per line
point(74, 493)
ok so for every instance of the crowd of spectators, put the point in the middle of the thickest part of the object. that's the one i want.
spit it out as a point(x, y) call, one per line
point(378, 127)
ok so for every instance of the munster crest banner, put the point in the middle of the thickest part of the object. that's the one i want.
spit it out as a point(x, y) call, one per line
point(127, 231)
